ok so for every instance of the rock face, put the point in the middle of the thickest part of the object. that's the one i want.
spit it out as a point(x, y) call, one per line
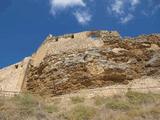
point(89, 60)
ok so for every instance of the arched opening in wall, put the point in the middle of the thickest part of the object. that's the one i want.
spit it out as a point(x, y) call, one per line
point(95, 35)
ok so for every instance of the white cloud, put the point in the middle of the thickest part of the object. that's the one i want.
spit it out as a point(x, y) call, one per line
point(120, 6)
point(127, 18)
point(155, 6)
point(152, 7)
point(63, 4)
point(123, 9)
point(117, 6)
point(83, 17)
point(134, 2)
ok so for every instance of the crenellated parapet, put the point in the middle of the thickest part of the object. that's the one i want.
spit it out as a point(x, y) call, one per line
point(73, 42)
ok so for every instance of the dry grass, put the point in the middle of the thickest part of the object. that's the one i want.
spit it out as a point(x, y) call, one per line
point(132, 106)
point(51, 108)
point(23, 107)
point(99, 100)
point(118, 105)
point(77, 99)
point(141, 98)
point(81, 112)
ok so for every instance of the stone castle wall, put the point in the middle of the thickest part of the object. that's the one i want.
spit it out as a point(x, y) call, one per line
point(11, 78)
point(91, 59)
point(71, 42)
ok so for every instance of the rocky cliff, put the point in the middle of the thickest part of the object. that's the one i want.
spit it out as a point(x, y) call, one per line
point(87, 60)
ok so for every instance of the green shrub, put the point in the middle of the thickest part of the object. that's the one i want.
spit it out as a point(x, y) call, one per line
point(139, 98)
point(27, 104)
point(27, 100)
point(98, 100)
point(144, 112)
point(118, 105)
point(2, 101)
point(77, 99)
point(51, 108)
point(155, 110)
point(81, 112)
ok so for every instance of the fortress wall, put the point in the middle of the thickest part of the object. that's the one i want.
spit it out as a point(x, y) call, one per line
point(11, 78)
point(69, 43)
point(55, 45)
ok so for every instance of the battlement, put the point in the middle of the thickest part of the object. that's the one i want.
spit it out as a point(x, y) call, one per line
point(73, 42)
point(82, 35)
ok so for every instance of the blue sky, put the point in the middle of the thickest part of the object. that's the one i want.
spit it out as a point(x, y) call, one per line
point(24, 24)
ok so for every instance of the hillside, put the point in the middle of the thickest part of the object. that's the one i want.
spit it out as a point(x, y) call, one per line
point(86, 60)
point(129, 106)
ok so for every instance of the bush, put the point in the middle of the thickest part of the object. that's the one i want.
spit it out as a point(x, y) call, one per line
point(139, 98)
point(153, 112)
point(25, 107)
point(2, 102)
point(26, 100)
point(27, 104)
point(81, 112)
point(77, 99)
point(51, 108)
point(98, 100)
point(118, 105)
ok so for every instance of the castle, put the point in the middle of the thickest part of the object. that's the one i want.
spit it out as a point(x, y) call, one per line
point(64, 64)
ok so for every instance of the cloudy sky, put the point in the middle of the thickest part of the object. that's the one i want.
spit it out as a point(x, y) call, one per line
point(24, 24)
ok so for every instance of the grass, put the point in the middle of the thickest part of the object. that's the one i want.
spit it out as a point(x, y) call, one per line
point(26, 103)
point(26, 100)
point(132, 106)
point(51, 108)
point(23, 107)
point(99, 100)
point(81, 112)
point(118, 105)
point(115, 103)
point(77, 99)
point(2, 102)
point(153, 112)
point(141, 98)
